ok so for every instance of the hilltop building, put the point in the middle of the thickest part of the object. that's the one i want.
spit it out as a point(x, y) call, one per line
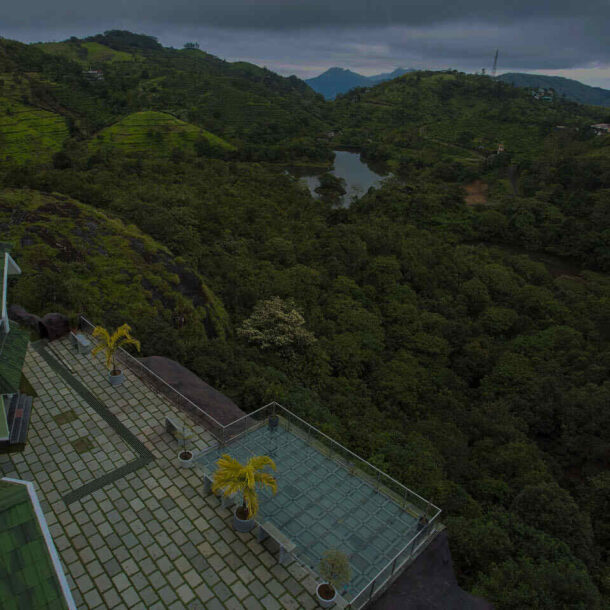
point(601, 129)
point(93, 74)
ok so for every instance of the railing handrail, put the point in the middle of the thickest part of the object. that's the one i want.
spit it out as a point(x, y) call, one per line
point(334, 442)
point(224, 427)
point(172, 388)
point(428, 529)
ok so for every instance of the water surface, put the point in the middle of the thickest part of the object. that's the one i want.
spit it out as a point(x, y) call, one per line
point(358, 176)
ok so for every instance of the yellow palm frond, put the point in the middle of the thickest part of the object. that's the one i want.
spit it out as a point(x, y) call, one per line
point(260, 461)
point(122, 336)
point(231, 476)
point(110, 343)
point(264, 478)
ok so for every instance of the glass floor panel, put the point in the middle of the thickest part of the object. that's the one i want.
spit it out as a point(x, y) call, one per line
point(320, 505)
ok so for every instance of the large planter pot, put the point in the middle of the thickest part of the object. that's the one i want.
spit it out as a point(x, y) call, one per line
point(322, 592)
point(116, 377)
point(185, 459)
point(242, 525)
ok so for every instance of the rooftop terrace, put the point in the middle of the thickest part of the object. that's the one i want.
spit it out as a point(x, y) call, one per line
point(135, 531)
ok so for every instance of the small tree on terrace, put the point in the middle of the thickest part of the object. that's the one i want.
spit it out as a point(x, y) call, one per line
point(109, 344)
point(232, 477)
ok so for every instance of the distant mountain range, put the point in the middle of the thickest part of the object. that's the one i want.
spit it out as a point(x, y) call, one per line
point(340, 80)
point(572, 89)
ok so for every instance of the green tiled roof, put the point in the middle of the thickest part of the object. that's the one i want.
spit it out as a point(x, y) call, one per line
point(4, 431)
point(27, 575)
point(13, 346)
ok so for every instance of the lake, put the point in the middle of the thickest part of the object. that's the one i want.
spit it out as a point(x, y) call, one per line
point(358, 176)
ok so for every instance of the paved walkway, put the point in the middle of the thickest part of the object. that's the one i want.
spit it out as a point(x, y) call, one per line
point(149, 539)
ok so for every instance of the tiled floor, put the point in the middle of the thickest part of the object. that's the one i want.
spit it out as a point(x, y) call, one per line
point(149, 540)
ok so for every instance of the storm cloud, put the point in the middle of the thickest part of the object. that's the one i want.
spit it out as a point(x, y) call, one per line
point(307, 36)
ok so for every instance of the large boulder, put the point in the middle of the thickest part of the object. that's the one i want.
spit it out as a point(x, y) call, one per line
point(209, 400)
point(23, 318)
point(429, 583)
point(54, 326)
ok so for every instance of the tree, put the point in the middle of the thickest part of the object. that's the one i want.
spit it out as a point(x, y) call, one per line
point(109, 344)
point(334, 568)
point(277, 325)
point(233, 477)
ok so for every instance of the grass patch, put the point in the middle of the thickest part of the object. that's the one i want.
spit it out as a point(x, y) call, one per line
point(82, 445)
point(65, 417)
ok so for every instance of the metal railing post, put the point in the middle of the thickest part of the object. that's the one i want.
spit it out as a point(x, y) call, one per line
point(372, 589)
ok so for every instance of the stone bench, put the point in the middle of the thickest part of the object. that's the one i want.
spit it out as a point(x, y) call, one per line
point(171, 426)
point(225, 501)
point(80, 342)
point(286, 545)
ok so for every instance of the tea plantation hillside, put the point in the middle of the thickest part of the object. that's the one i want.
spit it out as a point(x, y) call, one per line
point(265, 115)
point(156, 133)
point(28, 133)
point(85, 53)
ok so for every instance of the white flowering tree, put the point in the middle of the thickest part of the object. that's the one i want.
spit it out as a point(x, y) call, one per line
point(277, 325)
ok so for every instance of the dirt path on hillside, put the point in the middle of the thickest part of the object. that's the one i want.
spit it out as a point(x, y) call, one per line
point(476, 193)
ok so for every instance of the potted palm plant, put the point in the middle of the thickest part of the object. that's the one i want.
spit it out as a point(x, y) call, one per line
point(185, 457)
point(334, 569)
point(233, 477)
point(109, 344)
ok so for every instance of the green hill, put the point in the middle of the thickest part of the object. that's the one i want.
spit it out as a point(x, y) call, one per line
point(474, 113)
point(28, 134)
point(268, 117)
point(75, 258)
point(156, 133)
point(85, 53)
point(572, 89)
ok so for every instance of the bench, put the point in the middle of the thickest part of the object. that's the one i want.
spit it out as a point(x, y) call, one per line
point(80, 342)
point(171, 426)
point(225, 501)
point(286, 545)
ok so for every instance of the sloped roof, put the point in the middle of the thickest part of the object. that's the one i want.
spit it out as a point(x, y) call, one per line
point(29, 576)
point(13, 346)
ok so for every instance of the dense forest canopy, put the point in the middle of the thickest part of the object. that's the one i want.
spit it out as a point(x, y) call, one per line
point(462, 347)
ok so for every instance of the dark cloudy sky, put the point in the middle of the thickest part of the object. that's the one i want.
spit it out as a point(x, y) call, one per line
point(305, 37)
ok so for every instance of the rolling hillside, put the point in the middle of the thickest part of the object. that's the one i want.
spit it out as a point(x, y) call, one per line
point(28, 133)
point(473, 114)
point(572, 89)
point(86, 53)
point(273, 117)
point(155, 133)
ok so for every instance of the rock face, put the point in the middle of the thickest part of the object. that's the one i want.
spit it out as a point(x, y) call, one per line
point(430, 584)
point(51, 326)
point(23, 318)
point(213, 402)
point(54, 326)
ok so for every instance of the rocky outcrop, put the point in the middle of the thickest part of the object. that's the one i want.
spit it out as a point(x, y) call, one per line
point(429, 583)
point(23, 318)
point(54, 326)
point(213, 402)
